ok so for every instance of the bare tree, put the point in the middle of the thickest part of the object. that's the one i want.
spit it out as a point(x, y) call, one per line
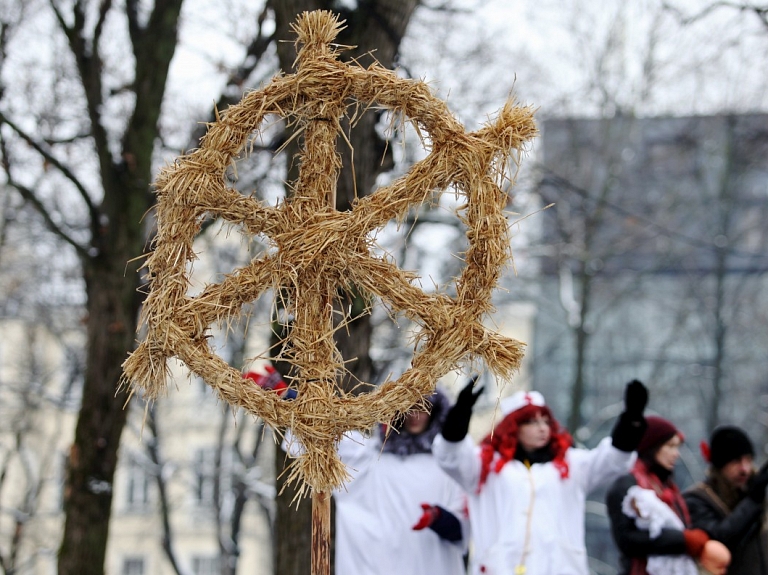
point(83, 157)
point(41, 364)
point(588, 243)
point(760, 11)
point(97, 138)
point(726, 271)
point(236, 476)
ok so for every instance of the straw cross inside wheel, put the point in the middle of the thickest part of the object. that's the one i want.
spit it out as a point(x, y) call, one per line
point(316, 250)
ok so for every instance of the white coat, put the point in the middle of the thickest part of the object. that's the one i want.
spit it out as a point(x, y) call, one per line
point(652, 514)
point(376, 512)
point(377, 509)
point(528, 519)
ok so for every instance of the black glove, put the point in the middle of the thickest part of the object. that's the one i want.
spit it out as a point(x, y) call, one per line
point(758, 484)
point(631, 425)
point(635, 399)
point(456, 424)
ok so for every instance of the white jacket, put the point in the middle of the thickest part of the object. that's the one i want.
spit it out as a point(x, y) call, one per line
point(530, 517)
point(377, 509)
point(652, 514)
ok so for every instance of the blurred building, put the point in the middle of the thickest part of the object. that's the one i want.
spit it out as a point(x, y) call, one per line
point(187, 481)
point(653, 263)
point(198, 480)
point(654, 254)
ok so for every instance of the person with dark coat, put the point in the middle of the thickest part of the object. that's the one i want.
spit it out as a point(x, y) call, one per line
point(730, 503)
point(650, 521)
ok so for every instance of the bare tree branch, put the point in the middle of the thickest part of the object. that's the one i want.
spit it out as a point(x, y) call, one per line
point(153, 449)
point(52, 160)
point(761, 11)
point(89, 67)
point(106, 5)
point(231, 93)
point(132, 13)
point(29, 196)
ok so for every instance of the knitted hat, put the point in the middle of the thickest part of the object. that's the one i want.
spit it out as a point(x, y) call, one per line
point(727, 443)
point(659, 431)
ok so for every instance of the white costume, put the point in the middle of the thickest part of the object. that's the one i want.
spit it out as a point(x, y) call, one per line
point(529, 519)
point(376, 512)
point(652, 514)
point(377, 509)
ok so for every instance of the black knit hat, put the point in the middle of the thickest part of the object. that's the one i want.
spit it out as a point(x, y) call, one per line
point(727, 443)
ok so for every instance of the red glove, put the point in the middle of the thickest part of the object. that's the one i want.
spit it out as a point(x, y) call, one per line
point(428, 517)
point(695, 539)
point(271, 381)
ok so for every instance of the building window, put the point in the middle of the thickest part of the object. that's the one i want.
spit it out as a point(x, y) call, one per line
point(133, 566)
point(205, 565)
point(136, 486)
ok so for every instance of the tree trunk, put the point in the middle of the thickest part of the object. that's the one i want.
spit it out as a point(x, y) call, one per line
point(725, 203)
point(112, 309)
point(581, 340)
point(111, 279)
point(375, 26)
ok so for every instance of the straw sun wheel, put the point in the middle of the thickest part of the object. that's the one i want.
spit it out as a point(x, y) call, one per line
point(316, 250)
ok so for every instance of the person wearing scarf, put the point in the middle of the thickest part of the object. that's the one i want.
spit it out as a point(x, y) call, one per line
point(399, 514)
point(527, 485)
point(657, 539)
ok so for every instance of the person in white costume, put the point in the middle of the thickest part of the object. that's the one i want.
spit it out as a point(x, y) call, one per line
point(399, 514)
point(527, 486)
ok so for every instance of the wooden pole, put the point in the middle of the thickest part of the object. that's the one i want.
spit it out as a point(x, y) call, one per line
point(321, 533)
point(321, 500)
point(322, 173)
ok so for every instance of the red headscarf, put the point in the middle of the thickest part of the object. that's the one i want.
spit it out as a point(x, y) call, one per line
point(503, 440)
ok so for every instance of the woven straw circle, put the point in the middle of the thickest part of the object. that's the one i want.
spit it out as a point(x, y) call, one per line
point(318, 250)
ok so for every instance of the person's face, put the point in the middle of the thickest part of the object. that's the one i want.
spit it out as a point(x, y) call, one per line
point(534, 433)
point(738, 471)
point(669, 453)
point(416, 422)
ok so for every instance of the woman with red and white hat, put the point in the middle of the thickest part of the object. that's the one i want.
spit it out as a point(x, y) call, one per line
point(527, 485)
point(650, 521)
